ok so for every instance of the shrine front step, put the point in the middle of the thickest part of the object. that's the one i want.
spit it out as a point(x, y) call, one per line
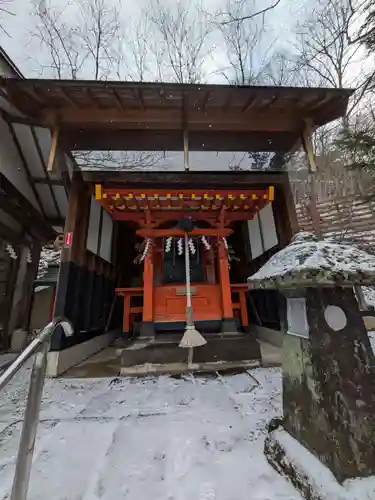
point(163, 355)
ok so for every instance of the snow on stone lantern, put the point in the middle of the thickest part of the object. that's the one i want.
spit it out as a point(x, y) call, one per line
point(328, 364)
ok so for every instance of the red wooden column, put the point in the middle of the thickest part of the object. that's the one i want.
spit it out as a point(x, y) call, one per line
point(126, 315)
point(147, 328)
point(229, 323)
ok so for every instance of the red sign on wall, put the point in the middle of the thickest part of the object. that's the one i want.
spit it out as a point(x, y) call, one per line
point(68, 240)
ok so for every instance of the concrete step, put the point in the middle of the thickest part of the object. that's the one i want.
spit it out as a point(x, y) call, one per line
point(163, 354)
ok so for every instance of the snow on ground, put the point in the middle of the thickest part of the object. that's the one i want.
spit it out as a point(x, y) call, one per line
point(168, 439)
point(321, 481)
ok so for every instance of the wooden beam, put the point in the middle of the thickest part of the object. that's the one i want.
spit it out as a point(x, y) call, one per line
point(44, 166)
point(284, 212)
point(57, 158)
point(54, 149)
point(139, 95)
point(32, 93)
point(119, 103)
point(174, 215)
point(69, 99)
point(205, 101)
point(64, 172)
point(177, 181)
point(93, 99)
point(308, 145)
point(186, 150)
point(73, 139)
point(170, 119)
point(160, 233)
point(77, 221)
point(227, 103)
point(248, 104)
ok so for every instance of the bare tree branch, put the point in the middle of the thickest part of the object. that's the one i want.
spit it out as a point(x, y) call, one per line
point(7, 12)
point(250, 16)
point(245, 48)
point(327, 54)
point(182, 38)
point(84, 39)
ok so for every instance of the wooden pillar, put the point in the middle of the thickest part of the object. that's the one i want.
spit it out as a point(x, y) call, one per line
point(91, 273)
point(309, 150)
point(284, 212)
point(23, 290)
point(126, 314)
point(229, 323)
point(244, 315)
point(71, 284)
point(28, 289)
point(147, 328)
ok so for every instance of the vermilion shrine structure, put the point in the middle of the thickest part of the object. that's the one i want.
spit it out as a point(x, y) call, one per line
point(163, 291)
point(110, 212)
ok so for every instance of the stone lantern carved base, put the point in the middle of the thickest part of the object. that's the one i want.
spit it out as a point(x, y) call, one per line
point(308, 474)
point(329, 384)
point(328, 363)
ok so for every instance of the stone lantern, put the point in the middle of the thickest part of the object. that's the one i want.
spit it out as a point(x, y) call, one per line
point(328, 364)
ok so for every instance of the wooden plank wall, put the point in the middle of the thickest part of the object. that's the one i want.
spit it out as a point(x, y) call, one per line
point(86, 281)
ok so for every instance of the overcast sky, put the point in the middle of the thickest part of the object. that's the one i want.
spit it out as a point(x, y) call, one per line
point(22, 50)
point(281, 23)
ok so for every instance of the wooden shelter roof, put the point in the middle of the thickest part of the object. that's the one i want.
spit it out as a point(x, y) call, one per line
point(100, 115)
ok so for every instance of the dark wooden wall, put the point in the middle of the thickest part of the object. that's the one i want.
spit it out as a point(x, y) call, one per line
point(86, 283)
point(268, 302)
point(22, 226)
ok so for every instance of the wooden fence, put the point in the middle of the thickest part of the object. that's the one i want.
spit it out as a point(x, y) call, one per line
point(332, 182)
point(349, 218)
point(344, 209)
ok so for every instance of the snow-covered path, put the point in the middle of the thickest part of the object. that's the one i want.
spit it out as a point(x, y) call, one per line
point(156, 438)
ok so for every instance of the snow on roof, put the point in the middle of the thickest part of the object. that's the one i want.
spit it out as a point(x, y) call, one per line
point(306, 261)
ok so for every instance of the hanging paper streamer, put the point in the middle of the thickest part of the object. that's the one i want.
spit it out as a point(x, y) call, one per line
point(206, 244)
point(225, 242)
point(145, 251)
point(191, 247)
point(180, 246)
point(11, 252)
point(168, 244)
point(29, 257)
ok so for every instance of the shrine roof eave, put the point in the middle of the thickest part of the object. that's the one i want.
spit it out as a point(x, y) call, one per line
point(94, 115)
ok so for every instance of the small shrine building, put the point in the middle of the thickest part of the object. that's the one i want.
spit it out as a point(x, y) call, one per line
point(123, 228)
